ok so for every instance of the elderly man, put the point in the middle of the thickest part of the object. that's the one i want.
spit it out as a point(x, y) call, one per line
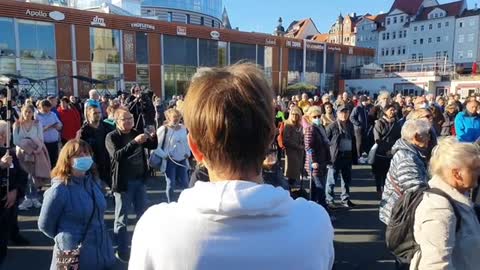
point(343, 153)
point(467, 123)
point(93, 100)
point(126, 147)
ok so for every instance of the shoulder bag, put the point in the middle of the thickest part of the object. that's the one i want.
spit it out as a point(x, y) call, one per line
point(70, 259)
point(155, 161)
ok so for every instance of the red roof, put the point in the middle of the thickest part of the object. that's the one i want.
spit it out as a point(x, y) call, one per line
point(452, 9)
point(408, 6)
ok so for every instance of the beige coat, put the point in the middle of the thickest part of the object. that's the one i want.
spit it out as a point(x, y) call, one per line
point(442, 248)
point(294, 151)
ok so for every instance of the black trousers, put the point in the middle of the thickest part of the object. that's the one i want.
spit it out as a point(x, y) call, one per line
point(7, 218)
point(52, 149)
point(380, 169)
point(359, 137)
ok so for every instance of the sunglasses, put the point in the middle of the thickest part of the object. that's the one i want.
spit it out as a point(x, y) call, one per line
point(316, 116)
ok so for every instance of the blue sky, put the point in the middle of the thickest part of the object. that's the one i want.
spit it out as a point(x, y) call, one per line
point(262, 15)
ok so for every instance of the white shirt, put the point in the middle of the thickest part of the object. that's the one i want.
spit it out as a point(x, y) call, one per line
point(233, 225)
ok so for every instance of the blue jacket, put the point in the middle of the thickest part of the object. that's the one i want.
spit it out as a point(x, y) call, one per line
point(65, 213)
point(359, 118)
point(467, 127)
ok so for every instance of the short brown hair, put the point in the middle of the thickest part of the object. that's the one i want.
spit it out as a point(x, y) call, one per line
point(45, 103)
point(230, 116)
point(63, 169)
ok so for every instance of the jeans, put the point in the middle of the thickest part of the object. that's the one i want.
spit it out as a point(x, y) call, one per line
point(137, 195)
point(341, 166)
point(318, 192)
point(31, 192)
point(175, 174)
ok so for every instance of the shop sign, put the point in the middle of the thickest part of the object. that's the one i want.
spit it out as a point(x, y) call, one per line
point(350, 50)
point(315, 46)
point(294, 44)
point(271, 41)
point(142, 26)
point(97, 21)
point(181, 30)
point(334, 48)
point(215, 34)
point(57, 15)
point(54, 15)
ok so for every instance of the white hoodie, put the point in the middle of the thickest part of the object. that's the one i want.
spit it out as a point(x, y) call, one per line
point(233, 225)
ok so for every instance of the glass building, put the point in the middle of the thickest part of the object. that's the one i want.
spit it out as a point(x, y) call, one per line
point(212, 8)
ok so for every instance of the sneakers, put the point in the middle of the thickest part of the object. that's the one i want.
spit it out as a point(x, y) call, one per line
point(348, 204)
point(36, 203)
point(124, 258)
point(25, 205)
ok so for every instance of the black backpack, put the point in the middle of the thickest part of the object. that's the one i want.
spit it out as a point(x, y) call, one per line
point(399, 234)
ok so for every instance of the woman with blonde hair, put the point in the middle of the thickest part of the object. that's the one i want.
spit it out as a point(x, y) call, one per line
point(446, 228)
point(173, 148)
point(294, 145)
point(32, 155)
point(73, 210)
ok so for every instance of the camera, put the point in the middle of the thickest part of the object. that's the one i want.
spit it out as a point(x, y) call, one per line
point(7, 81)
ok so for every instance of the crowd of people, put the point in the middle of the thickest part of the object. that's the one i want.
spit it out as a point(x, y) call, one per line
point(221, 144)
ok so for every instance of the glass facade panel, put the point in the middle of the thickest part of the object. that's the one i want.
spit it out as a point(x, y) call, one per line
point(7, 46)
point(295, 65)
point(209, 7)
point(105, 55)
point(141, 48)
point(314, 67)
point(242, 52)
point(37, 56)
point(209, 53)
point(180, 51)
point(261, 55)
point(177, 79)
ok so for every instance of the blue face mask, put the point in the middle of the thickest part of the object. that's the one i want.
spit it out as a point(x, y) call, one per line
point(82, 164)
point(317, 122)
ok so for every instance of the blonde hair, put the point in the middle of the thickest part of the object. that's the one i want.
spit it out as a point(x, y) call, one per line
point(418, 114)
point(172, 112)
point(63, 168)
point(450, 153)
point(294, 110)
point(314, 109)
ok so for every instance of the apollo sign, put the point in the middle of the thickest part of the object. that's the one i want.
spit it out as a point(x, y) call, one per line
point(54, 15)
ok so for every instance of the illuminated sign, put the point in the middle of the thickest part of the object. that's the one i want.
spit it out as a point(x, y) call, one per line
point(142, 26)
point(215, 34)
point(294, 44)
point(181, 30)
point(97, 21)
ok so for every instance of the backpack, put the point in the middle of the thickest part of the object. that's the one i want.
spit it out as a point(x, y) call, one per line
point(399, 234)
point(281, 130)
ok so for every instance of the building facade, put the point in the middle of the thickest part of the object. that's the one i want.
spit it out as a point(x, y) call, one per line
point(65, 49)
point(467, 38)
point(343, 31)
point(367, 30)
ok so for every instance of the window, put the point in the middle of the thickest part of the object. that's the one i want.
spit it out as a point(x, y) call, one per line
point(414, 42)
point(393, 51)
point(401, 19)
point(202, 21)
point(429, 40)
point(386, 52)
point(400, 34)
point(439, 25)
point(438, 55)
point(414, 56)
point(399, 50)
point(394, 19)
point(180, 51)
point(445, 54)
point(436, 15)
point(460, 24)
point(415, 28)
point(421, 41)
point(209, 52)
point(470, 37)
point(240, 52)
point(470, 54)
point(394, 35)
point(388, 21)
point(439, 39)
point(388, 36)
point(141, 48)
point(420, 57)
point(105, 54)
point(7, 39)
point(383, 36)
point(447, 24)
point(383, 52)
point(422, 28)
point(187, 18)
point(460, 54)
point(404, 33)
point(461, 38)
point(404, 51)
point(170, 17)
point(430, 26)
point(213, 23)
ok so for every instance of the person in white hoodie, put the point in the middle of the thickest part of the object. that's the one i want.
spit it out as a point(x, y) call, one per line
point(234, 221)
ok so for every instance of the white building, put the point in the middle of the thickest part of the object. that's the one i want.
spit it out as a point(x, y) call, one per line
point(467, 38)
point(367, 30)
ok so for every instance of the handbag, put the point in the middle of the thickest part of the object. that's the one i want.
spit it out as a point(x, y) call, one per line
point(155, 161)
point(371, 154)
point(70, 259)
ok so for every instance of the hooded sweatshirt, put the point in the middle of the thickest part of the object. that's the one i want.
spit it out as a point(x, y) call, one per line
point(233, 225)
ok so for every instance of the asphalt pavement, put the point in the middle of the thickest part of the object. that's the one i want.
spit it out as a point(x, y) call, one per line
point(359, 239)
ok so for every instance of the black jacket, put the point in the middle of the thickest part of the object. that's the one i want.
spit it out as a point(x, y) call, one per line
point(100, 153)
point(386, 134)
point(334, 134)
point(142, 110)
point(17, 177)
point(359, 118)
point(119, 154)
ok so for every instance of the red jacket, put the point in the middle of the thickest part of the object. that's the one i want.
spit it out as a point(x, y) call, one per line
point(71, 121)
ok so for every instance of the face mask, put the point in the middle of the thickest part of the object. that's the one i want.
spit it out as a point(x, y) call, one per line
point(82, 164)
point(316, 122)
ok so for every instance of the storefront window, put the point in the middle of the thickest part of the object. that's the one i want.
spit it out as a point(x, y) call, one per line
point(267, 57)
point(295, 65)
point(105, 55)
point(180, 59)
point(314, 67)
point(209, 55)
point(143, 73)
point(37, 55)
point(7, 46)
point(242, 52)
